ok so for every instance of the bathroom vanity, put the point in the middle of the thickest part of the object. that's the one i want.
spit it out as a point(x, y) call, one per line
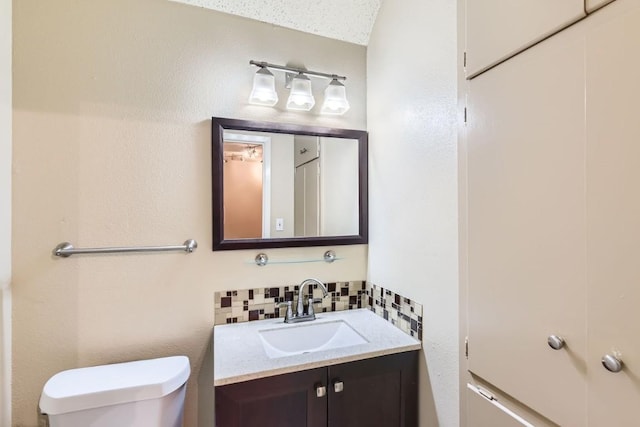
point(382, 391)
point(348, 368)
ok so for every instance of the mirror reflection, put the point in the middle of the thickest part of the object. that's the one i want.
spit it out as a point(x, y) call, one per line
point(280, 185)
point(285, 185)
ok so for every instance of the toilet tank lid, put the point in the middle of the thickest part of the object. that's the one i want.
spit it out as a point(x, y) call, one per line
point(105, 385)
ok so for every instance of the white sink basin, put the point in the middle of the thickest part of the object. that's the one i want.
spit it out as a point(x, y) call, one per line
point(309, 337)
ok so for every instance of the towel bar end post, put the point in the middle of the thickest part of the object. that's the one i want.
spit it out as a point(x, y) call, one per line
point(62, 249)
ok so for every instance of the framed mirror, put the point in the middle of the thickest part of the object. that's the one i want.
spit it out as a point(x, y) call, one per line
point(278, 185)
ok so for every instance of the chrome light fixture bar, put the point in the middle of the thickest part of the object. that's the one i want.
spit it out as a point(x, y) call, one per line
point(301, 97)
point(296, 70)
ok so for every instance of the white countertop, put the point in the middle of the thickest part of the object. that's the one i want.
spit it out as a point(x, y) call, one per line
point(239, 354)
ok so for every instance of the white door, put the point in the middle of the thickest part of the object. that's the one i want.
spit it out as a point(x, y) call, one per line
point(613, 213)
point(497, 29)
point(307, 199)
point(306, 148)
point(298, 202)
point(526, 240)
point(339, 196)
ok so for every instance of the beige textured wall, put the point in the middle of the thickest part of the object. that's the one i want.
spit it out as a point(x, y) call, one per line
point(112, 107)
point(5, 211)
point(413, 182)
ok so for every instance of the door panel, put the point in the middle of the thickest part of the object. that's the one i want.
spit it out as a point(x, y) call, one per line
point(298, 201)
point(483, 413)
point(306, 201)
point(497, 29)
point(306, 148)
point(613, 220)
point(375, 392)
point(283, 400)
point(526, 243)
point(312, 198)
point(339, 187)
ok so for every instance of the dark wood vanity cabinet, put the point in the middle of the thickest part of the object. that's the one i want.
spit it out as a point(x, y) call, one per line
point(381, 391)
point(283, 400)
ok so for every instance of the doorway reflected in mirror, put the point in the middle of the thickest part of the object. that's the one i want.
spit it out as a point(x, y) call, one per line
point(243, 188)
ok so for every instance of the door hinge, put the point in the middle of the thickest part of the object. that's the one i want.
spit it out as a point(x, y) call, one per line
point(466, 347)
point(464, 59)
point(465, 115)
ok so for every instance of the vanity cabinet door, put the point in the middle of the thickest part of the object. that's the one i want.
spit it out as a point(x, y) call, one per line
point(282, 401)
point(498, 29)
point(381, 391)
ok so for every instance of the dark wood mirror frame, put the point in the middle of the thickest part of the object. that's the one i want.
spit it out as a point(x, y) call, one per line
point(219, 125)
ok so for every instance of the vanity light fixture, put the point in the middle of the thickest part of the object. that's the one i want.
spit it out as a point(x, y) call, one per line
point(335, 99)
point(300, 98)
point(264, 88)
point(301, 95)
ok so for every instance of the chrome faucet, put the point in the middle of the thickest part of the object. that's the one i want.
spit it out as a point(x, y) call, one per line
point(300, 316)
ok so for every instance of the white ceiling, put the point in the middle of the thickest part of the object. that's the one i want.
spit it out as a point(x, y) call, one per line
point(350, 21)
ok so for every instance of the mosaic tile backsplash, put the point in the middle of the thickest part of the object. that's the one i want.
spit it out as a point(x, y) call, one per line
point(260, 303)
point(400, 311)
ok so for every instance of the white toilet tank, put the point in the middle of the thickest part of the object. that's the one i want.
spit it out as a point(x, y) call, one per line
point(144, 393)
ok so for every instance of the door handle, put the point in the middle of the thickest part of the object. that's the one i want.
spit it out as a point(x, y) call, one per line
point(612, 363)
point(338, 386)
point(321, 391)
point(555, 342)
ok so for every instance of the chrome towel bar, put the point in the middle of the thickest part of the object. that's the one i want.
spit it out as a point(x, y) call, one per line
point(66, 249)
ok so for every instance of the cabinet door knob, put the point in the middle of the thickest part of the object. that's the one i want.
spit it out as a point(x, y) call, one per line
point(612, 363)
point(555, 342)
point(338, 386)
point(321, 391)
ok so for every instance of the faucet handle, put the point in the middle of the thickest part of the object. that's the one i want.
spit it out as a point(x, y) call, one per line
point(289, 315)
point(312, 301)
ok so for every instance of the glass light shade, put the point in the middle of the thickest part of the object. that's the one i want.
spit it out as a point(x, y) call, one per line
point(264, 89)
point(301, 97)
point(335, 99)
